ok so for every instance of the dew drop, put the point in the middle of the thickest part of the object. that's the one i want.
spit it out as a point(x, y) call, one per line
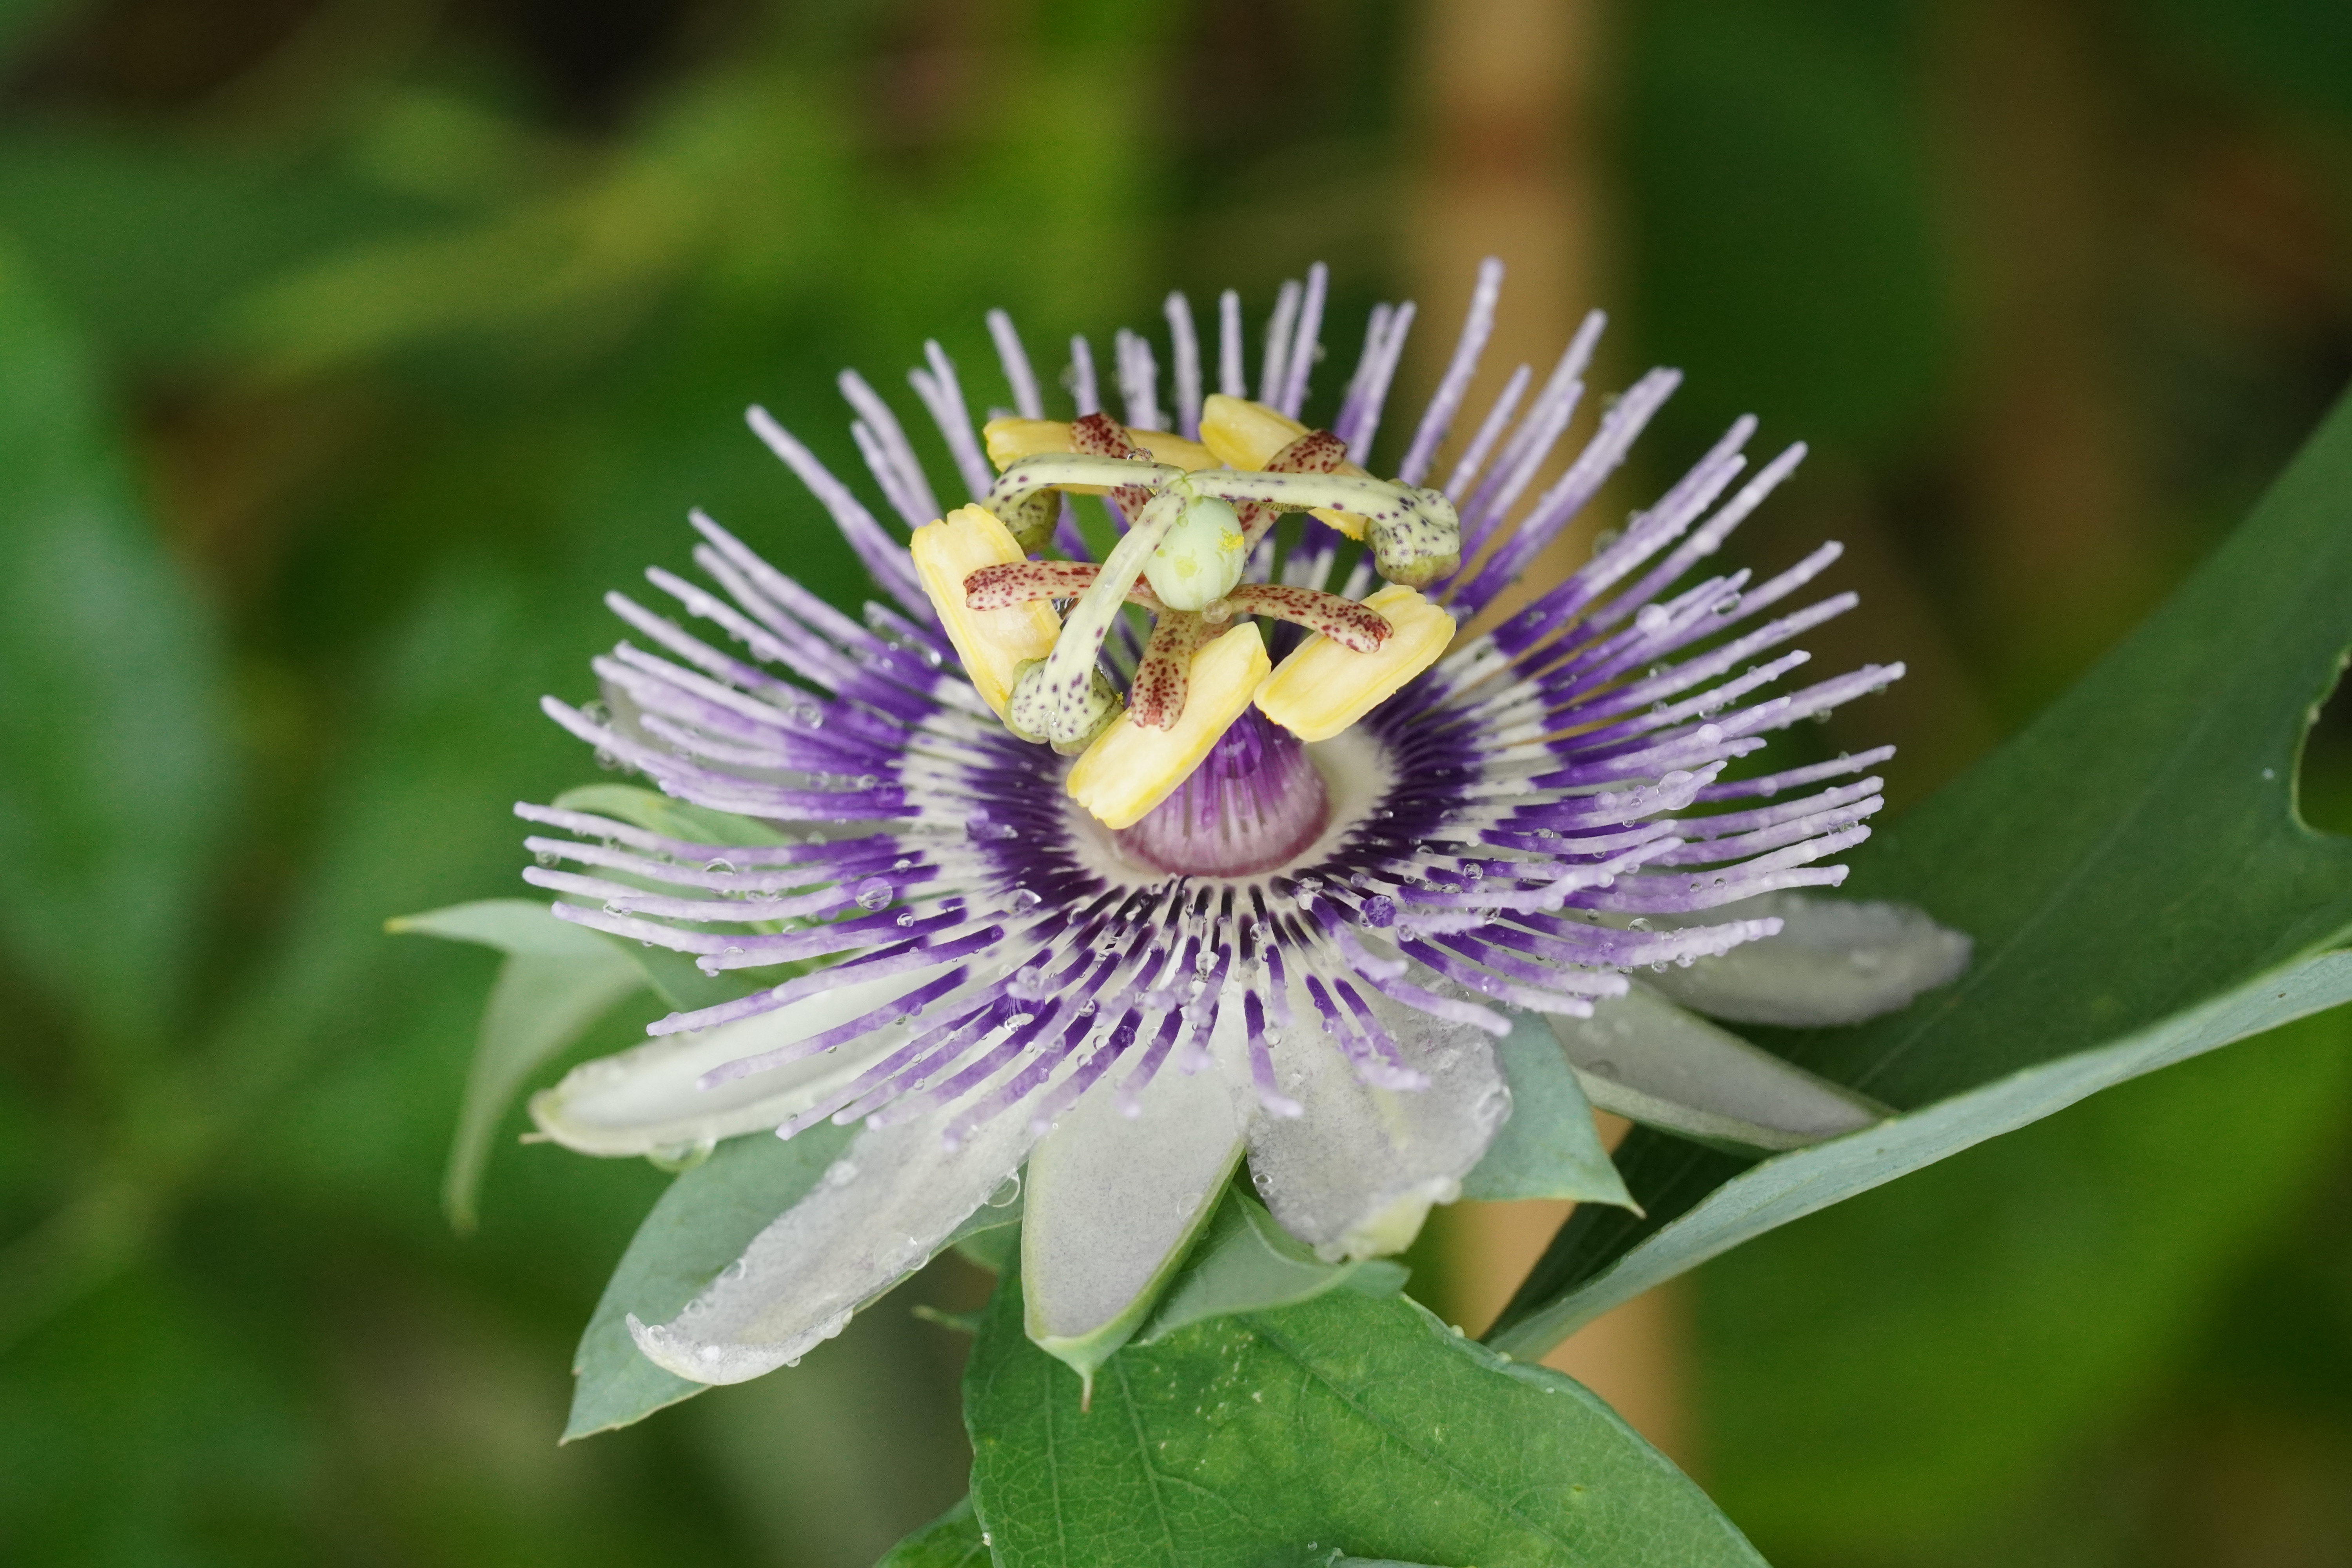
point(1652, 619)
point(720, 868)
point(1022, 900)
point(1007, 1192)
point(873, 893)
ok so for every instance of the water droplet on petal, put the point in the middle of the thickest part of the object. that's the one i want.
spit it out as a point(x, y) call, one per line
point(872, 893)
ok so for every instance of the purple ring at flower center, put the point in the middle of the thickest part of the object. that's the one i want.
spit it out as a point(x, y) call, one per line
point(1254, 803)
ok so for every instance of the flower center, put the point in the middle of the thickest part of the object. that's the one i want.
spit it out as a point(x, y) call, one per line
point(1254, 803)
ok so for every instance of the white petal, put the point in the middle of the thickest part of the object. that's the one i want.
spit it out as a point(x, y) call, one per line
point(1112, 1204)
point(1355, 1175)
point(1646, 1059)
point(889, 1203)
point(1834, 962)
point(647, 1099)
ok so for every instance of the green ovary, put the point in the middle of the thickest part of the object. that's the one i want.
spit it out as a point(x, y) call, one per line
point(1201, 558)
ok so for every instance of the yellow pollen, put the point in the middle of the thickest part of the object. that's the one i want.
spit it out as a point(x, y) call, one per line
point(1246, 435)
point(1129, 769)
point(1009, 440)
point(1323, 688)
point(992, 644)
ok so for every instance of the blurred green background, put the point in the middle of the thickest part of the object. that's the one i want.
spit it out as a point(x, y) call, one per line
point(349, 349)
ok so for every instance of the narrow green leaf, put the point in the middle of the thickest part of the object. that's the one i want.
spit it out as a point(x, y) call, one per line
point(1247, 1263)
point(1350, 1423)
point(557, 981)
point(516, 927)
point(538, 1010)
point(701, 1225)
point(1549, 1148)
point(111, 714)
point(1791, 1185)
point(951, 1541)
point(2136, 880)
point(660, 814)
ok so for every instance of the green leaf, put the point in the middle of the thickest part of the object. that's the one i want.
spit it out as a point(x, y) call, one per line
point(557, 981)
point(524, 926)
point(2134, 875)
point(1549, 1148)
point(951, 1541)
point(539, 1009)
point(675, 818)
point(1247, 1263)
point(1346, 1422)
point(517, 927)
point(701, 1225)
point(111, 716)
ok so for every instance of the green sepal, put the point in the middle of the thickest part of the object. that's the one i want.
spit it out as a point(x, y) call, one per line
point(1085, 1353)
point(1549, 1148)
point(1248, 1263)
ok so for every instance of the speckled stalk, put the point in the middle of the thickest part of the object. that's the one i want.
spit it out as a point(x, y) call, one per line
point(1156, 697)
point(1025, 582)
point(1061, 706)
point(1317, 452)
point(1023, 498)
point(1100, 435)
point(1415, 536)
point(1348, 621)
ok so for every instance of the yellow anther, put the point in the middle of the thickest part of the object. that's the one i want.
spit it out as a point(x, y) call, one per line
point(992, 644)
point(1129, 769)
point(1009, 440)
point(1245, 434)
point(1323, 688)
